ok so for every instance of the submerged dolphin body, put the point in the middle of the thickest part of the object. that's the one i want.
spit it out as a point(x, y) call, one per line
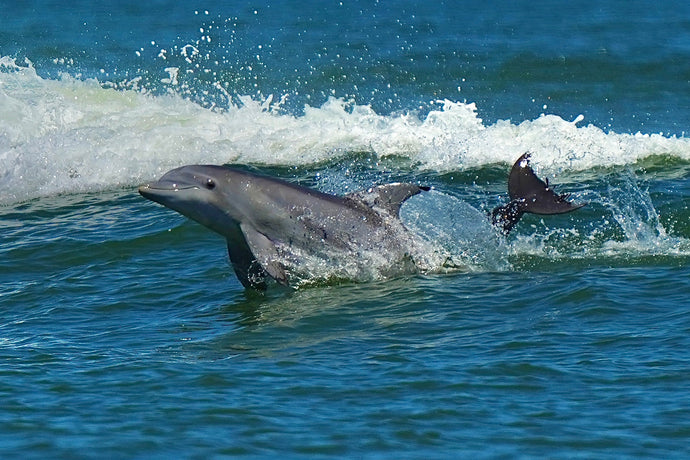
point(278, 229)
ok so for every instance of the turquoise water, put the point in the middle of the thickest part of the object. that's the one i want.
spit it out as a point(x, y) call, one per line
point(125, 334)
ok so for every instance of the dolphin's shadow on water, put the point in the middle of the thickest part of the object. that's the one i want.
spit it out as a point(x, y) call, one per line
point(282, 321)
point(284, 307)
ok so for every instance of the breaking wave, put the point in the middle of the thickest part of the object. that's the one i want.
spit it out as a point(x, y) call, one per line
point(69, 135)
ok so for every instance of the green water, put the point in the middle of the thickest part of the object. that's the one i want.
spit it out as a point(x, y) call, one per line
point(123, 332)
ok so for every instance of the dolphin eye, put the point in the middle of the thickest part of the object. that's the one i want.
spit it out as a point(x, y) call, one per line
point(210, 184)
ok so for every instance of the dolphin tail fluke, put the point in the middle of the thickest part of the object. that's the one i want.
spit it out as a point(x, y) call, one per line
point(528, 193)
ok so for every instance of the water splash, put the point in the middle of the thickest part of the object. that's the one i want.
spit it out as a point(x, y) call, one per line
point(69, 135)
point(620, 224)
point(459, 236)
point(641, 230)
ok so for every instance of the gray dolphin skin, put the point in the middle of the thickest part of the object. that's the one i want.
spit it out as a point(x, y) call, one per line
point(277, 229)
point(272, 226)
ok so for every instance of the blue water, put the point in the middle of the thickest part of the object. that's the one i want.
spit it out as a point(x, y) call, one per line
point(125, 334)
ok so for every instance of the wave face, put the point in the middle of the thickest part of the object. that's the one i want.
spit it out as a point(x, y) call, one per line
point(69, 135)
point(86, 106)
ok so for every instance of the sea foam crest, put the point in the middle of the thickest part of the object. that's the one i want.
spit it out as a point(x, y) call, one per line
point(70, 135)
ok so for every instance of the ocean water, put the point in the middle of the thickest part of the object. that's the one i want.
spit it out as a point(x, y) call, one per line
point(125, 334)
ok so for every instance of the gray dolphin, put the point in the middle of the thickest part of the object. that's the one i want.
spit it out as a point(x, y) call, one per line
point(275, 228)
point(278, 229)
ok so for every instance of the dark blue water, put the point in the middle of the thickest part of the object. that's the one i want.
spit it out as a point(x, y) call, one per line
point(125, 334)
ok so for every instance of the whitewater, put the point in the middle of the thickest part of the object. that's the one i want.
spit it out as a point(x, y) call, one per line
point(71, 136)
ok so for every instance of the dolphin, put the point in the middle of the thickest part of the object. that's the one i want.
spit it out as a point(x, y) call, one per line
point(274, 227)
point(280, 230)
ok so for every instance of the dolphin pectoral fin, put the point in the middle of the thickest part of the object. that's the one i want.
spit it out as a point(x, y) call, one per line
point(528, 193)
point(249, 272)
point(264, 252)
point(388, 197)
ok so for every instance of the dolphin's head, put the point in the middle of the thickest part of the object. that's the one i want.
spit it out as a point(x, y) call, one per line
point(200, 192)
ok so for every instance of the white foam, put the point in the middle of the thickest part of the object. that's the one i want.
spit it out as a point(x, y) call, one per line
point(69, 135)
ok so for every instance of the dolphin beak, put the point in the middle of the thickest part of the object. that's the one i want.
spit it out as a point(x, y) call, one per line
point(163, 191)
point(157, 188)
point(146, 191)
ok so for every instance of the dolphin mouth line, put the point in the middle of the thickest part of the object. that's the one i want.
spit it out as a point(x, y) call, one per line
point(174, 188)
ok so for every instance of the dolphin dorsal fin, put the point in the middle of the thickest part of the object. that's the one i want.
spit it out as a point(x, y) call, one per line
point(388, 197)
